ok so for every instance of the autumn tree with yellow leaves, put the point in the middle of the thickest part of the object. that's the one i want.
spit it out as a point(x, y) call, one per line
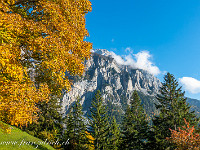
point(44, 38)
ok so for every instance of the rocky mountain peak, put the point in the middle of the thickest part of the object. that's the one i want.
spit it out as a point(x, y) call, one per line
point(103, 52)
point(103, 73)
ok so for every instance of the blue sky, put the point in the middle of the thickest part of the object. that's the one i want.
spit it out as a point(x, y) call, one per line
point(169, 30)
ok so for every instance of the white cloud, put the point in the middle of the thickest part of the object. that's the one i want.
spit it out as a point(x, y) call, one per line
point(129, 50)
point(143, 62)
point(190, 84)
point(118, 58)
point(140, 60)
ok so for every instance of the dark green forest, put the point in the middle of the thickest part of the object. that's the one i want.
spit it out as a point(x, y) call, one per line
point(143, 123)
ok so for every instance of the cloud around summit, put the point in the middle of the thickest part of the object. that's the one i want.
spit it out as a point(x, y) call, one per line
point(141, 60)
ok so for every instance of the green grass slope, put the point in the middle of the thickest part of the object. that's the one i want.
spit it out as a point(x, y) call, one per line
point(19, 140)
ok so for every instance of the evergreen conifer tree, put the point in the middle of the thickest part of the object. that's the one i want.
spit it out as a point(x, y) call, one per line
point(135, 126)
point(114, 135)
point(69, 132)
point(76, 131)
point(99, 125)
point(173, 109)
point(49, 125)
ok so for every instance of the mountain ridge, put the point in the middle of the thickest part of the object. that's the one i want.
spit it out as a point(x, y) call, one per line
point(115, 81)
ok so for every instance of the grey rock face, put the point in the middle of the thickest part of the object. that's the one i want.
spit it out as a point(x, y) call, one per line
point(113, 80)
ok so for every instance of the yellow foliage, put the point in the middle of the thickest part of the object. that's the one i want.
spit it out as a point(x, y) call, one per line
point(51, 33)
point(91, 140)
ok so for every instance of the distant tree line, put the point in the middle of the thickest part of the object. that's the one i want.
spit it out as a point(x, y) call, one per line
point(170, 129)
